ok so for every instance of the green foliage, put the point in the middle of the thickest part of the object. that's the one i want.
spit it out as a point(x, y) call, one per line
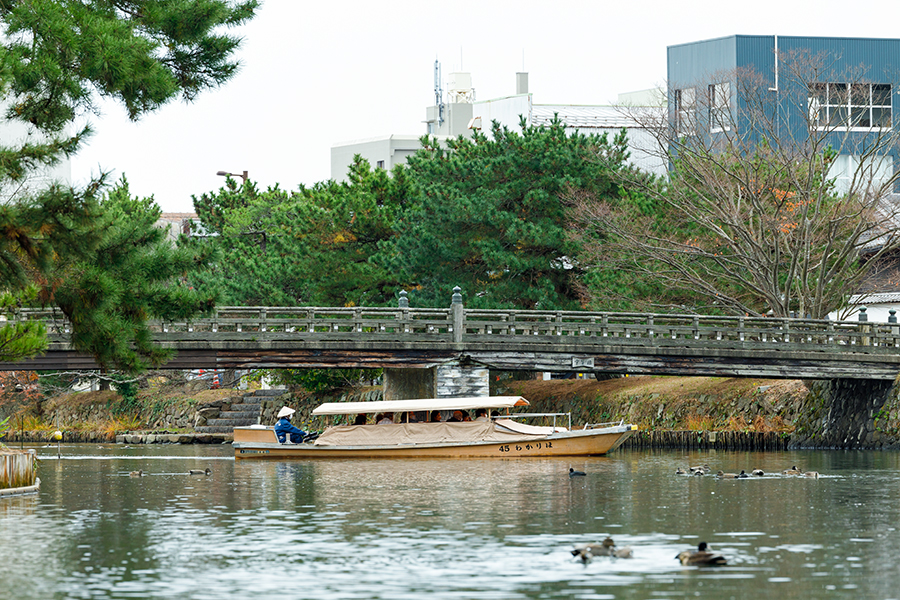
point(316, 246)
point(58, 55)
point(127, 388)
point(57, 58)
point(322, 380)
point(491, 217)
point(133, 275)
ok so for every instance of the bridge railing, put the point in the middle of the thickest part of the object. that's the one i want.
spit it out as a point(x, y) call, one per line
point(517, 327)
point(669, 329)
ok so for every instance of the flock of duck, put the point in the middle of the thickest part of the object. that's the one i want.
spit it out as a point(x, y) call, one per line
point(205, 471)
point(704, 470)
point(702, 556)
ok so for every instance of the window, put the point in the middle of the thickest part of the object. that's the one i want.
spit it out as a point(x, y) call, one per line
point(379, 164)
point(719, 112)
point(685, 109)
point(850, 105)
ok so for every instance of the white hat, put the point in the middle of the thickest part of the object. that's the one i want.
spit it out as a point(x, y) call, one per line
point(285, 412)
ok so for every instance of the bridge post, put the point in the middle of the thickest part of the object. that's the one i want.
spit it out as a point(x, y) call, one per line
point(457, 315)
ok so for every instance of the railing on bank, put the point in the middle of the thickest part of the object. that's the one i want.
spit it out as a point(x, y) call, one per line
point(580, 328)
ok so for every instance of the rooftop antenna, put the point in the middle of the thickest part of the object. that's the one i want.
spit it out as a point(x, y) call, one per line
point(438, 93)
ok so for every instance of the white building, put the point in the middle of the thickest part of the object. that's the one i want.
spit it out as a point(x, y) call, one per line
point(462, 114)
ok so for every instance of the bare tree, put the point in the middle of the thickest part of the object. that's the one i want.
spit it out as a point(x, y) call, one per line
point(774, 195)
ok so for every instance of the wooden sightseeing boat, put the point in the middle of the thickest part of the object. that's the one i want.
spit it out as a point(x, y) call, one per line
point(499, 436)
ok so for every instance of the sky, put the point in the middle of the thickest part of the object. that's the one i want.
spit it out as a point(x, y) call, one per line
point(318, 73)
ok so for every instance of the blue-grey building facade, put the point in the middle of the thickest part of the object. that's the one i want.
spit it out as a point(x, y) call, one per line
point(850, 89)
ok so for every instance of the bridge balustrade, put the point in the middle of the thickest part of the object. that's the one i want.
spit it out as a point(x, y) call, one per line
point(580, 328)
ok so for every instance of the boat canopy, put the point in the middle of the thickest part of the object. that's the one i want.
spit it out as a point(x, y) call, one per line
point(428, 404)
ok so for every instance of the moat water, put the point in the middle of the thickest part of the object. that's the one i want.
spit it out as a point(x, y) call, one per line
point(453, 529)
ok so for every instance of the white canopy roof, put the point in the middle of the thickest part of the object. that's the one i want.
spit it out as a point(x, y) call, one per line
point(429, 404)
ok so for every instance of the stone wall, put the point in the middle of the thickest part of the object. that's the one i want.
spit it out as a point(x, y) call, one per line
point(849, 414)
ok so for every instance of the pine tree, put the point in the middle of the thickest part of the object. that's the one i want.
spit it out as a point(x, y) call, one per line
point(56, 59)
point(491, 216)
point(135, 274)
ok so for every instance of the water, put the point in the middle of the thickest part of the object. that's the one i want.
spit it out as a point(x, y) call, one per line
point(453, 529)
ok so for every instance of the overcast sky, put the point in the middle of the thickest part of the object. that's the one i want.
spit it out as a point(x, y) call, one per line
point(317, 73)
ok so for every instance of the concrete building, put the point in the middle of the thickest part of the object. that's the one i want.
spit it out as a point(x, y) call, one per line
point(462, 113)
point(584, 119)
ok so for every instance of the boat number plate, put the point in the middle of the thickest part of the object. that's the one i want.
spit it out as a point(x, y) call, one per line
point(521, 447)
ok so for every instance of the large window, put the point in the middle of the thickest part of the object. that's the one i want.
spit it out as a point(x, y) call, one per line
point(685, 111)
point(850, 105)
point(719, 107)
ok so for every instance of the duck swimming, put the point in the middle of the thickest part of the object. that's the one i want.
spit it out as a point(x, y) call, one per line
point(792, 471)
point(757, 472)
point(137, 473)
point(200, 472)
point(701, 557)
point(574, 473)
point(607, 548)
point(722, 475)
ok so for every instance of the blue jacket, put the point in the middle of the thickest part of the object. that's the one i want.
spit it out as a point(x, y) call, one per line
point(284, 427)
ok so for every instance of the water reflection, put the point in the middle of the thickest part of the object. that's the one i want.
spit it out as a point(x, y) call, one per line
point(448, 529)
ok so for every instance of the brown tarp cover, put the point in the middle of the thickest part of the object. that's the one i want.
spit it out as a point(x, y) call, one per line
point(419, 433)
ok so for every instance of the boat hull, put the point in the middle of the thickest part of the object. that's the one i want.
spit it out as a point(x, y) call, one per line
point(260, 444)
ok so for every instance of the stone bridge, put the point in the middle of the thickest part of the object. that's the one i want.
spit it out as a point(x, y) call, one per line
point(449, 352)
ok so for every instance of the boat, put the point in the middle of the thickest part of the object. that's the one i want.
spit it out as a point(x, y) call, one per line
point(500, 436)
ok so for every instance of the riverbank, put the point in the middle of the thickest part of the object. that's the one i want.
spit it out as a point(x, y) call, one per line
point(687, 412)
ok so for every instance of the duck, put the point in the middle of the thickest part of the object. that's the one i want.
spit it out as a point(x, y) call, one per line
point(680, 471)
point(757, 472)
point(722, 475)
point(702, 469)
point(742, 475)
point(701, 557)
point(810, 474)
point(792, 471)
point(200, 471)
point(137, 473)
point(606, 548)
point(574, 473)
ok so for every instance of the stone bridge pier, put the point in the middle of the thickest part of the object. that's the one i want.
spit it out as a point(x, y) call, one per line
point(454, 379)
point(843, 413)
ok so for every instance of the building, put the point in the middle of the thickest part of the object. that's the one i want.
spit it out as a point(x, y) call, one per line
point(585, 119)
point(804, 94)
point(461, 114)
point(843, 86)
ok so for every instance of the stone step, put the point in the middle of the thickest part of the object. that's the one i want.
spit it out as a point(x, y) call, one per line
point(238, 414)
point(275, 392)
point(245, 407)
point(216, 429)
point(252, 399)
point(230, 422)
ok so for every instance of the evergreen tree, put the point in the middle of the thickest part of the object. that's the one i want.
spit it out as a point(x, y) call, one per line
point(135, 274)
point(491, 216)
point(57, 57)
point(314, 247)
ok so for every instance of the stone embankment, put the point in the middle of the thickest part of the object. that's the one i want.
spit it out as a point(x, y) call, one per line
point(670, 412)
